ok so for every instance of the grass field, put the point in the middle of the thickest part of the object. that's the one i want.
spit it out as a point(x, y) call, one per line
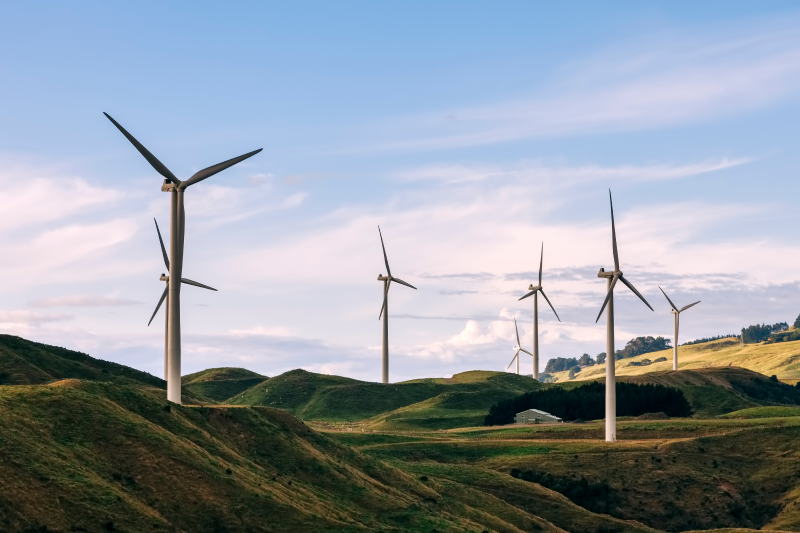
point(780, 359)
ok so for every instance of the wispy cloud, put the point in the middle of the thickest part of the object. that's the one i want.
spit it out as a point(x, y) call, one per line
point(660, 81)
point(84, 301)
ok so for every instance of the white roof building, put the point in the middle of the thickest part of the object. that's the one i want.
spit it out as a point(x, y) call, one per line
point(534, 416)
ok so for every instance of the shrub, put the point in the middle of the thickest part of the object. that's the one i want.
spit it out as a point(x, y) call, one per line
point(659, 359)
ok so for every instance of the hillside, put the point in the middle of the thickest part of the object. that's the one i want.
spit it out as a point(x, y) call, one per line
point(671, 475)
point(337, 399)
point(90, 456)
point(781, 359)
point(24, 362)
point(219, 384)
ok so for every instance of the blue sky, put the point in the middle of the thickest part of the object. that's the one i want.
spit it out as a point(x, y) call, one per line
point(471, 132)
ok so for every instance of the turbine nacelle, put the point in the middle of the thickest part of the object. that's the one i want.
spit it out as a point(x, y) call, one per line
point(536, 288)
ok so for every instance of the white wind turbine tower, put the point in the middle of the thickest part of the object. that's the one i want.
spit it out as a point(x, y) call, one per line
point(611, 380)
point(176, 188)
point(387, 280)
point(677, 312)
point(534, 291)
point(518, 348)
point(165, 295)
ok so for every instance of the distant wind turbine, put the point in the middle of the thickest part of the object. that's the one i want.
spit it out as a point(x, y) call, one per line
point(518, 348)
point(677, 312)
point(387, 280)
point(176, 188)
point(165, 296)
point(534, 291)
point(611, 380)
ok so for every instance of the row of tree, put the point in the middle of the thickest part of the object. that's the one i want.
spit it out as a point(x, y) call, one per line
point(634, 347)
point(587, 402)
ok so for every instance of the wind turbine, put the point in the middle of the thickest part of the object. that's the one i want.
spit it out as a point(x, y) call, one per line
point(534, 291)
point(387, 280)
point(165, 295)
point(176, 188)
point(677, 312)
point(611, 380)
point(518, 348)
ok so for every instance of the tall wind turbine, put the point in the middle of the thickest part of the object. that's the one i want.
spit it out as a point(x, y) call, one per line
point(387, 280)
point(176, 188)
point(534, 291)
point(165, 295)
point(518, 348)
point(677, 312)
point(611, 380)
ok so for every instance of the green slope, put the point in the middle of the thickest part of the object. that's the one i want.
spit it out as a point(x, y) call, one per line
point(90, 456)
point(719, 390)
point(24, 362)
point(336, 399)
point(219, 384)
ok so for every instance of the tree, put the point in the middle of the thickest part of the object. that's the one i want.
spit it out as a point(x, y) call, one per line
point(560, 364)
point(574, 370)
point(797, 322)
point(643, 345)
point(586, 360)
point(587, 402)
point(759, 333)
point(601, 358)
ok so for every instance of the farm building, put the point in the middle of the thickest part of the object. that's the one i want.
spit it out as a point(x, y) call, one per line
point(534, 416)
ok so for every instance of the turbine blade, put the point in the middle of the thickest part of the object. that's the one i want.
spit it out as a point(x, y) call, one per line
point(163, 295)
point(613, 233)
point(551, 305)
point(385, 260)
point(512, 360)
point(526, 351)
point(156, 164)
point(670, 301)
point(688, 306)
point(631, 287)
point(385, 297)
point(219, 167)
point(163, 250)
point(608, 296)
point(401, 282)
point(541, 258)
point(517, 330)
point(190, 282)
point(529, 294)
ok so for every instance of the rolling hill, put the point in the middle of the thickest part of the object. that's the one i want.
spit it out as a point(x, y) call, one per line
point(337, 399)
point(92, 456)
point(781, 359)
point(24, 362)
point(220, 384)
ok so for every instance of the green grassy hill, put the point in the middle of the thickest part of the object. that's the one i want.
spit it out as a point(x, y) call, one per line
point(220, 384)
point(91, 456)
point(336, 399)
point(23, 362)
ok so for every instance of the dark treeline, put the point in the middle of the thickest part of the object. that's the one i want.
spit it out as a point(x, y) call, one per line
point(587, 402)
point(756, 333)
point(709, 339)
